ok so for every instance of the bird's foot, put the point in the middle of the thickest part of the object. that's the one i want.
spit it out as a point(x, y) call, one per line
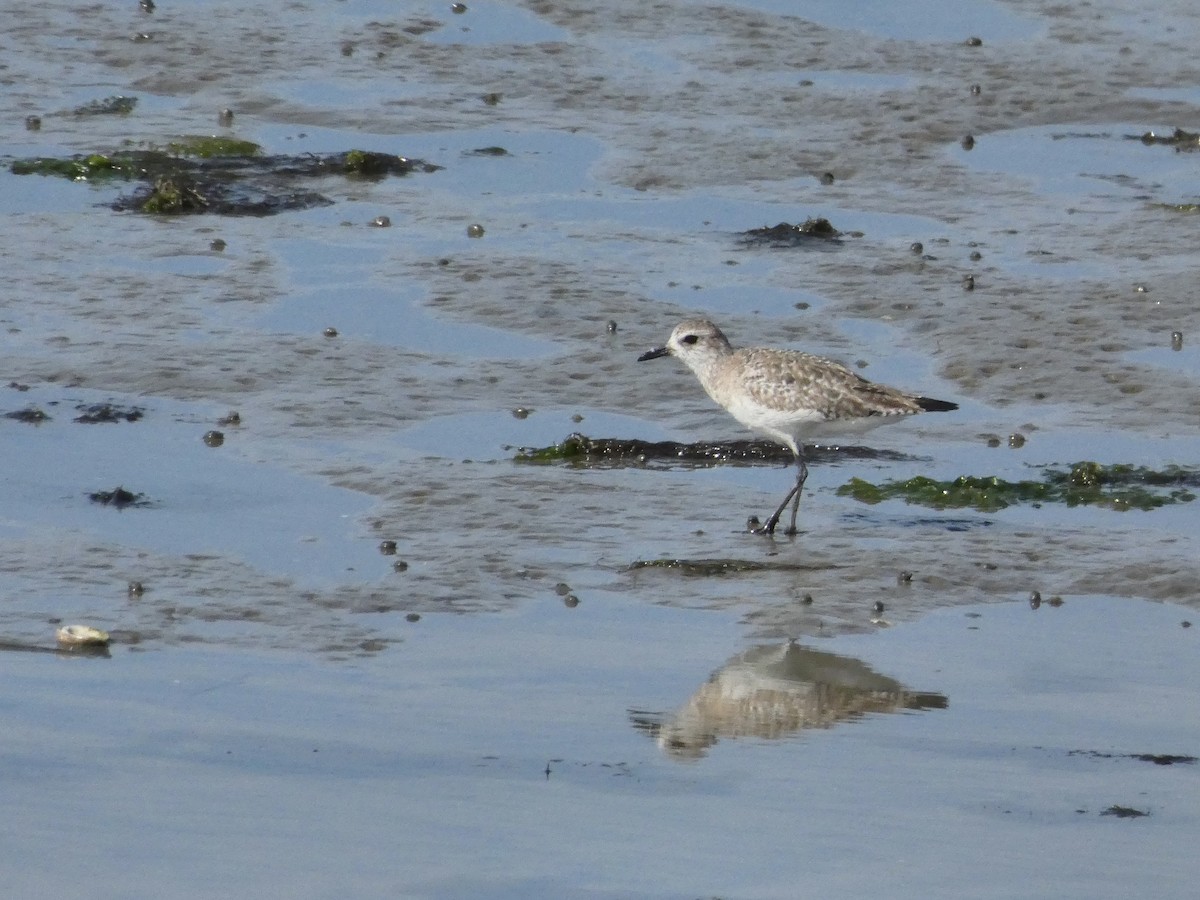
point(755, 527)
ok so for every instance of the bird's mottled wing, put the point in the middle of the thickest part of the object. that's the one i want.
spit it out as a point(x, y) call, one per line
point(788, 380)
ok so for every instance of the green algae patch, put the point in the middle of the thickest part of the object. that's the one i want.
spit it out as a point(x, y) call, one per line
point(211, 146)
point(1187, 209)
point(1118, 487)
point(986, 494)
point(109, 106)
point(366, 164)
point(219, 175)
point(95, 167)
point(574, 448)
point(167, 197)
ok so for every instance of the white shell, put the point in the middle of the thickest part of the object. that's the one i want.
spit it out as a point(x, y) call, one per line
point(81, 635)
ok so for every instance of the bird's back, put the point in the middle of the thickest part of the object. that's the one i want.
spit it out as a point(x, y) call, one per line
point(791, 394)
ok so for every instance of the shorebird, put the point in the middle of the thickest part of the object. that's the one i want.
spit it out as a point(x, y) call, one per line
point(787, 395)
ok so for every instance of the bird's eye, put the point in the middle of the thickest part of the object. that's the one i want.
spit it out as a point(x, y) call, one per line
point(689, 339)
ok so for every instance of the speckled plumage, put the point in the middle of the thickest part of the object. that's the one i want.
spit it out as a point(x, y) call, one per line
point(787, 395)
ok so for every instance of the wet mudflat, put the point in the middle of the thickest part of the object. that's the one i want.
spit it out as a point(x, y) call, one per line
point(575, 677)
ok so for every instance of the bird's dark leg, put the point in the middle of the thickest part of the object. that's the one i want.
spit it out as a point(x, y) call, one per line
point(793, 498)
point(801, 477)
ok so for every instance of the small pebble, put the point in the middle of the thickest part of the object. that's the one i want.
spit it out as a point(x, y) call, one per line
point(330, 332)
point(562, 589)
point(474, 231)
point(214, 438)
point(974, 42)
point(400, 565)
point(387, 548)
point(570, 601)
point(917, 247)
point(413, 617)
point(458, 8)
point(521, 412)
point(216, 245)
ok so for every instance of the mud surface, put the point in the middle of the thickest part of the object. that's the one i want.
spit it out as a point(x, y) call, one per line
point(619, 199)
point(613, 157)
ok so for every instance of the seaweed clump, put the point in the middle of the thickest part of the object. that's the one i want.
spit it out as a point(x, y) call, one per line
point(1119, 487)
point(580, 450)
point(221, 175)
point(110, 106)
point(118, 498)
point(1179, 139)
point(31, 415)
point(107, 413)
point(787, 235)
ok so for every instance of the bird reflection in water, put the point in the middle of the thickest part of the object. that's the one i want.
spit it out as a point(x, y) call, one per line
point(775, 691)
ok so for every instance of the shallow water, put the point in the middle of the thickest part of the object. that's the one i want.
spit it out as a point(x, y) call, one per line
point(641, 141)
point(508, 756)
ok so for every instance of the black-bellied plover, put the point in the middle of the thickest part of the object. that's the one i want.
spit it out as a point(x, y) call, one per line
point(787, 395)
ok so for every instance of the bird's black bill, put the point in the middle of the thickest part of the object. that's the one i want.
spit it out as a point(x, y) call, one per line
point(654, 354)
point(930, 405)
